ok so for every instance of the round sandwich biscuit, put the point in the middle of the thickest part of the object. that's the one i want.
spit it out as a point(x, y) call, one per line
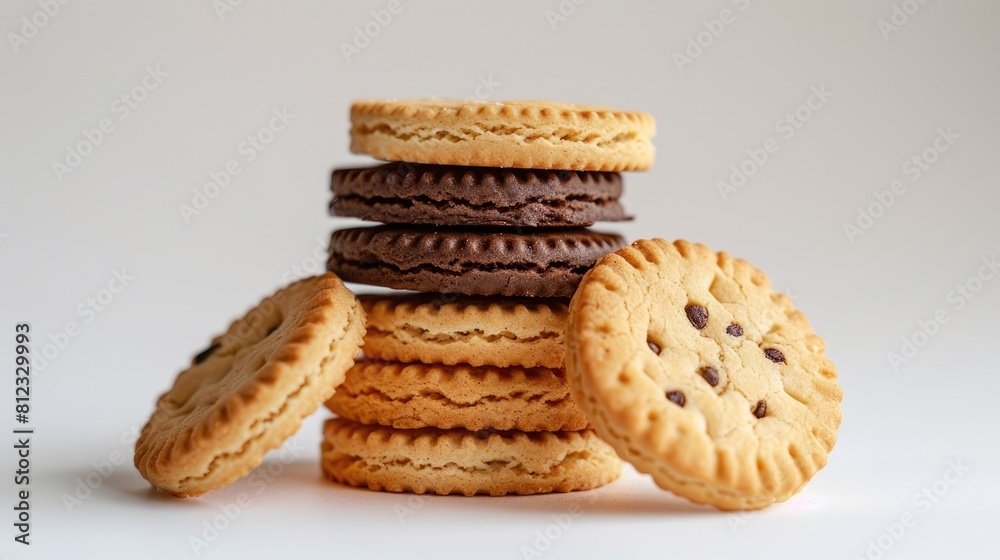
point(533, 263)
point(461, 396)
point(249, 391)
point(476, 330)
point(465, 462)
point(447, 195)
point(699, 374)
point(523, 134)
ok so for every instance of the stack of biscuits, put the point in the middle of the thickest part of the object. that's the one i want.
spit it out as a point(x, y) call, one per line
point(485, 211)
point(485, 377)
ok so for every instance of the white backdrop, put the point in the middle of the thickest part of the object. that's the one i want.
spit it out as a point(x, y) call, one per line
point(875, 207)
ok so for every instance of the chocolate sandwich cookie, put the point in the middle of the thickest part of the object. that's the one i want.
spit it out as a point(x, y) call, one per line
point(534, 263)
point(449, 195)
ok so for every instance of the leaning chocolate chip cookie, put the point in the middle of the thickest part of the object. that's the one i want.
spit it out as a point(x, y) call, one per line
point(249, 391)
point(699, 374)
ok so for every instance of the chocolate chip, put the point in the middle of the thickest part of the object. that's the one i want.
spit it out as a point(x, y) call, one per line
point(676, 397)
point(734, 330)
point(774, 355)
point(760, 410)
point(654, 347)
point(709, 374)
point(698, 316)
point(204, 354)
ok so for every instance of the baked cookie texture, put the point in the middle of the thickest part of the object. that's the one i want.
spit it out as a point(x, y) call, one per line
point(523, 134)
point(417, 395)
point(699, 374)
point(458, 461)
point(453, 329)
point(480, 261)
point(447, 195)
point(249, 391)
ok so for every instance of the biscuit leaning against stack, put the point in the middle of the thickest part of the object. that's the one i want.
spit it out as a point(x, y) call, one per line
point(250, 389)
point(486, 213)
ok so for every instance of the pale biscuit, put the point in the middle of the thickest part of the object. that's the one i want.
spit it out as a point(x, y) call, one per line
point(465, 462)
point(451, 329)
point(250, 390)
point(461, 396)
point(699, 374)
point(525, 134)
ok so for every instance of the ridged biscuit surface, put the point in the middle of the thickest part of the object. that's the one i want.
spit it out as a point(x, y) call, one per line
point(525, 134)
point(454, 329)
point(460, 396)
point(249, 391)
point(465, 462)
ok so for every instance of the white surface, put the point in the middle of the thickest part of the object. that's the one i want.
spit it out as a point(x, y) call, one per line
point(296, 513)
point(119, 208)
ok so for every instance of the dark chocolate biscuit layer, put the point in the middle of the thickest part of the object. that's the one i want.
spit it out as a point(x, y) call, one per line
point(405, 193)
point(535, 263)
